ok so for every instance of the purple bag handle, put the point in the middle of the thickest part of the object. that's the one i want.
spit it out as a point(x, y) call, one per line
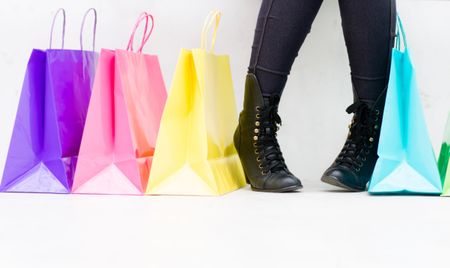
point(63, 27)
point(95, 27)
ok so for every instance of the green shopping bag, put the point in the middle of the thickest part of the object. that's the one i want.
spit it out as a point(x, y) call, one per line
point(406, 162)
point(443, 163)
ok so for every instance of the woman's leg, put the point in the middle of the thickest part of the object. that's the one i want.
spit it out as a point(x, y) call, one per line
point(281, 29)
point(369, 31)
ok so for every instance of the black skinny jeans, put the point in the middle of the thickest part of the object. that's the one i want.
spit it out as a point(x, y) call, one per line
point(369, 30)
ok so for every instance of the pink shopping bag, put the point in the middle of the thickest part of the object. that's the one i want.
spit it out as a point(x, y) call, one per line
point(123, 121)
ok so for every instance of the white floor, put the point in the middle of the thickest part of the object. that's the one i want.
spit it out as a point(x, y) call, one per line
point(319, 227)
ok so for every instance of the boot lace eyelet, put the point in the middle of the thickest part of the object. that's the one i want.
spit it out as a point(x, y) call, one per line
point(263, 173)
point(268, 156)
point(363, 136)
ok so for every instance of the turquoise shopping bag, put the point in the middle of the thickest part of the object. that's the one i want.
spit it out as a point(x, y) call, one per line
point(406, 163)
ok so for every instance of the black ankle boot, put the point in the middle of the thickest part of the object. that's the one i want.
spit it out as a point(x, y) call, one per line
point(256, 142)
point(354, 166)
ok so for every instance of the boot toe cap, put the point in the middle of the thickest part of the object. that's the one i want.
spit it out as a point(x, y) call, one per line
point(343, 178)
point(283, 183)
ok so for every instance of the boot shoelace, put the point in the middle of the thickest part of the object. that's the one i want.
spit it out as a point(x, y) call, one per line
point(266, 143)
point(361, 137)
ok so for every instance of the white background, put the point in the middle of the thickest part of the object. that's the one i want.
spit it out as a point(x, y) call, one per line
point(318, 91)
point(329, 229)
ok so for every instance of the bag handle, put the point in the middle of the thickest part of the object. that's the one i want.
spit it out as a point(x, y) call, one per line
point(145, 36)
point(213, 19)
point(63, 12)
point(94, 11)
point(400, 35)
point(140, 18)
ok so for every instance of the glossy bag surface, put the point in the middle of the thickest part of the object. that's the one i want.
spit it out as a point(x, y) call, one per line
point(50, 120)
point(406, 164)
point(123, 121)
point(195, 154)
point(443, 162)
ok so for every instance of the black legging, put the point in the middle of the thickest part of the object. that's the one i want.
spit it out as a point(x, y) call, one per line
point(368, 25)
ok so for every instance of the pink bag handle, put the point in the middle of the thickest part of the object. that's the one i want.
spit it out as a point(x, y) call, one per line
point(145, 36)
point(95, 28)
point(61, 10)
point(130, 41)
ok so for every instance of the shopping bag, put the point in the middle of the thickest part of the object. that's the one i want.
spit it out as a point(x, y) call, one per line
point(195, 154)
point(50, 119)
point(123, 121)
point(406, 163)
point(443, 162)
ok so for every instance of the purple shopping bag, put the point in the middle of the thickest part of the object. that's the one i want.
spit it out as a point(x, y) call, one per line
point(50, 119)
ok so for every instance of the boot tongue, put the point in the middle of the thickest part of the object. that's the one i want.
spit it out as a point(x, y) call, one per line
point(369, 103)
point(271, 120)
point(271, 108)
point(271, 100)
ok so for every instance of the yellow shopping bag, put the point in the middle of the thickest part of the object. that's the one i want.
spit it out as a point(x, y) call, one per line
point(194, 153)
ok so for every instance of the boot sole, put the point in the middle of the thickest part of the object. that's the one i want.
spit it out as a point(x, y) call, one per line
point(335, 182)
point(282, 190)
point(288, 189)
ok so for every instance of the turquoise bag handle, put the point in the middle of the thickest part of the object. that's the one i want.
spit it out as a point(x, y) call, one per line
point(401, 37)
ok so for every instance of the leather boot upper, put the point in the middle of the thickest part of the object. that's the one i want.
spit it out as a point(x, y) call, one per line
point(256, 142)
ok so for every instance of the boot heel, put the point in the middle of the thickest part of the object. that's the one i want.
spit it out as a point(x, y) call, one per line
point(246, 178)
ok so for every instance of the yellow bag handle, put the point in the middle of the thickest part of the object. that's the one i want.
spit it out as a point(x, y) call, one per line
point(213, 16)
